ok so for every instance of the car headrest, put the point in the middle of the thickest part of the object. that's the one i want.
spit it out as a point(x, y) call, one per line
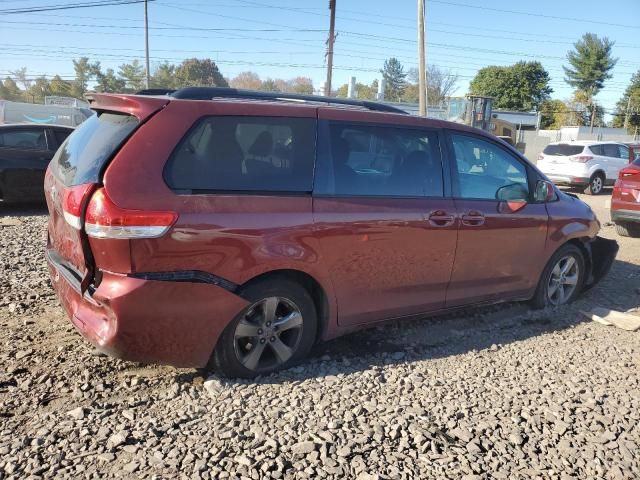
point(263, 145)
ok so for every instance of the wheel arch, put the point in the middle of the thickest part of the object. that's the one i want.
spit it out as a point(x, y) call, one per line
point(315, 289)
point(582, 243)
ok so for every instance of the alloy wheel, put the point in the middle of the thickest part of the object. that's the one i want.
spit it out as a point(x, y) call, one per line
point(596, 184)
point(563, 280)
point(268, 334)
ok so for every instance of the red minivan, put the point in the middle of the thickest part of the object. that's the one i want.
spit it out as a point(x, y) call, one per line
point(233, 229)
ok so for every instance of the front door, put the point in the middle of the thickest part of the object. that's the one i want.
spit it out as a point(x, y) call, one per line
point(499, 251)
point(386, 231)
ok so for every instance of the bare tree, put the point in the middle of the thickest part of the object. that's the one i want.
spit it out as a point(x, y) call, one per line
point(20, 76)
point(248, 80)
point(440, 83)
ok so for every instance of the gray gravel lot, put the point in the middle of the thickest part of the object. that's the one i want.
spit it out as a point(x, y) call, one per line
point(497, 392)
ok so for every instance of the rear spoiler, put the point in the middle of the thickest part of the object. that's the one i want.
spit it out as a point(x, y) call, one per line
point(139, 106)
point(155, 91)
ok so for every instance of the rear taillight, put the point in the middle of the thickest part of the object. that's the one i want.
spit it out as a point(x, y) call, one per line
point(73, 199)
point(629, 172)
point(541, 156)
point(104, 219)
point(581, 158)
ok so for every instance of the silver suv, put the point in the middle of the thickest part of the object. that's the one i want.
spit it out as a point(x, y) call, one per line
point(589, 164)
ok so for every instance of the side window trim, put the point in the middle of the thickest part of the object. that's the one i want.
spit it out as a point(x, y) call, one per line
point(453, 168)
point(324, 158)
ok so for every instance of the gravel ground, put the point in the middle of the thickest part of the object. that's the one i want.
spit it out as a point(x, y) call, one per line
point(495, 393)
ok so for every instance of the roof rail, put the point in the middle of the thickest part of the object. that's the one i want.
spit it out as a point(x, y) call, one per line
point(155, 91)
point(209, 93)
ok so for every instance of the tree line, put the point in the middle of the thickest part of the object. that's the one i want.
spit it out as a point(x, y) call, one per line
point(523, 86)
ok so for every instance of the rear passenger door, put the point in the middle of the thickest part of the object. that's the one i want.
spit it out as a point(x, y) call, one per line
point(499, 252)
point(386, 231)
point(614, 162)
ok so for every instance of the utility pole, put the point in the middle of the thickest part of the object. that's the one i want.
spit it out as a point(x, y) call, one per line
point(626, 116)
point(422, 71)
point(327, 85)
point(146, 42)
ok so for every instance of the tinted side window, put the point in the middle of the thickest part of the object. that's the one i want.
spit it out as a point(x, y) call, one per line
point(260, 154)
point(596, 149)
point(483, 168)
point(24, 138)
point(381, 161)
point(610, 150)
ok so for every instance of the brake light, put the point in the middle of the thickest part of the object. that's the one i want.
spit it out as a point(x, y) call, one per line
point(541, 156)
point(104, 219)
point(581, 158)
point(629, 171)
point(73, 199)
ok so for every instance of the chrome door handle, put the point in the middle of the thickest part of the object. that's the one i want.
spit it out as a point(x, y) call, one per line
point(440, 218)
point(473, 219)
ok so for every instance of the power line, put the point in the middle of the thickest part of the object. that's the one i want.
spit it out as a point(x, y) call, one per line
point(70, 6)
point(532, 14)
point(465, 28)
point(176, 27)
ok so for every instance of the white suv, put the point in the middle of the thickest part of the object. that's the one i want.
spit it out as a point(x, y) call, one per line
point(589, 164)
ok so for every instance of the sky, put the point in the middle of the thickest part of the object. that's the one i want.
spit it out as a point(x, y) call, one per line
point(286, 38)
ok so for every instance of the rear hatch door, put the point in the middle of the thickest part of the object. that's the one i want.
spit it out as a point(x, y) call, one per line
point(560, 153)
point(75, 172)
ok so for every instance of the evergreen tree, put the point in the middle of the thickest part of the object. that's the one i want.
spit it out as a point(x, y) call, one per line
point(395, 79)
point(590, 65)
point(133, 75)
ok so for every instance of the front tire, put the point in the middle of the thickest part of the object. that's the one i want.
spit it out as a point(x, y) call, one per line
point(628, 230)
point(274, 332)
point(596, 184)
point(562, 278)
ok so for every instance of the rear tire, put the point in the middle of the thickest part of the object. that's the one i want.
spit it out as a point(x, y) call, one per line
point(557, 286)
point(596, 184)
point(628, 230)
point(273, 333)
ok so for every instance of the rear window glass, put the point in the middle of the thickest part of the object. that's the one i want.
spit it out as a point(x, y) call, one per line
point(82, 156)
point(251, 154)
point(563, 149)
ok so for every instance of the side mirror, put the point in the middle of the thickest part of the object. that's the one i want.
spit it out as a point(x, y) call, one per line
point(512, 197)
point(544, 191)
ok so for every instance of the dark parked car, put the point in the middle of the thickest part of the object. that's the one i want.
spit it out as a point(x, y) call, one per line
point(625, 201)
point(233, 229)
point(25, 152)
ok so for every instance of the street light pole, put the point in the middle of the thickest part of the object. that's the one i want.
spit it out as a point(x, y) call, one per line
point(146, 42)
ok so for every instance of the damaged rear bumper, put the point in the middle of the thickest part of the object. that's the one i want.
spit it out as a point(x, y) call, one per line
point(602, 252)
